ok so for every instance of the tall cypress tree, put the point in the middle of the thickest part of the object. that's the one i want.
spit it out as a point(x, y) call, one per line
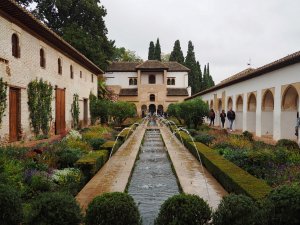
point(205, 79)
point(177, 54)
point(199, 78)
point(190, 62)
point(151, 51)
point(157, 52)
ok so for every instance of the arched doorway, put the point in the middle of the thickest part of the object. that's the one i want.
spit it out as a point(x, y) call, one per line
point(267, 113)
point(144, 110)
point(229, 104)
point(239, 113)
point(152, 109)
point(251, 113)
point(289, 108)
point(152, 98)
point(160, 110)
point(211, 106)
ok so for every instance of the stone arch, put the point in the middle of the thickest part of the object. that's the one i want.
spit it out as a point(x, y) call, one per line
point(290, 99)
point(251, 113)
point(252, 103)
point(239, 113)
point(152, 108)
point(229, 103)
point(289, 109)
point(268, 101)
point(267, 115)
point(160, 109)
point(144, 110)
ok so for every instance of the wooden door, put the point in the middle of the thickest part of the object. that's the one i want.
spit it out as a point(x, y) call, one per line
point(60, 118)
point(14, 114)
point(85, 112)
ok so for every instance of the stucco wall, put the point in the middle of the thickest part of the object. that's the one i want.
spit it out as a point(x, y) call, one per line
point(20, 71)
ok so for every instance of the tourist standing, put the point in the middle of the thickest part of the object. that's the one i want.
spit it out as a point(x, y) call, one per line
point(212, 116)
point(231, 118)
point(297, 125)
point(223, 116)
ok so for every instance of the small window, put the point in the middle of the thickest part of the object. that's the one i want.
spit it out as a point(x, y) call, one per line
point(59, 69)
point(71, 72)
point(152, 79)
point(173, 81)
point(15, 45)
point(80, 74)
point(134, 81)
point(152, 98)
point(92, 78)
point(130, 81)
point(168, 81)
point(42, 58)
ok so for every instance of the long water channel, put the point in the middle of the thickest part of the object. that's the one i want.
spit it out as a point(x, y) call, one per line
point(153, 180)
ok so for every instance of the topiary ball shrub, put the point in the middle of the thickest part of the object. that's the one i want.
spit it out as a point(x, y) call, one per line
point(10, 206)
point(184, 209)
point(283, 205)
point(289, 144)
point(113, 208)
point(236, 210)
point(247, 135)
point(54, 208)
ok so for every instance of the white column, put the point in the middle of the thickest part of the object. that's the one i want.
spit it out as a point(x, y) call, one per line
point(277, 114)
point(233, 108)
point(258, 114)
point(245, 111)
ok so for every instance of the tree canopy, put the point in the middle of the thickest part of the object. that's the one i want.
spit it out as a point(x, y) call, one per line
point(177, 54)
point(157, 52)
point(126, 55)
point(151, 51)
point(80, 23)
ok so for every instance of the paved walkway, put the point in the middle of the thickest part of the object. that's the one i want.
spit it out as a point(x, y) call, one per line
point(193, 178)
point(114, 175)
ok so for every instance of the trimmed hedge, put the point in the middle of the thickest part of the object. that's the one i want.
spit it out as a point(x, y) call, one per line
point(233, 178)
point(92, 162)
point(108, 145)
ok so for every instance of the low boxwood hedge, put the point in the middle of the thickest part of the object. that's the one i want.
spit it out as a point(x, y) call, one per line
point(108, 145)
point(92, 162)
point(232, 178)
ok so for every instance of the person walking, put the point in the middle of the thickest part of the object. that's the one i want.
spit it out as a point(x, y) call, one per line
point(223, 116)
point(212, 116)
point(231, 118)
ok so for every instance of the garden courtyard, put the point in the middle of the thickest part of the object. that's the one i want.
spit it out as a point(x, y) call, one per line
point(152, 170)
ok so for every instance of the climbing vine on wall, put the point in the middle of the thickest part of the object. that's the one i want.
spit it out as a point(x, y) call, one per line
point(39, 103)
point(3, 97)
point(75, 111)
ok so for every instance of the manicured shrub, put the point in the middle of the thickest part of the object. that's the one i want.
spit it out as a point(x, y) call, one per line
point(247, 135)
point(204, 138)
point(236, 210)
point(95, 143)
point(10, 206)
point(184, 209)
point(54, 209)
point(289, 144)
point(113, 208)
point(79, 144)
point(92, 162)
point(283, 205)
point(40, 183)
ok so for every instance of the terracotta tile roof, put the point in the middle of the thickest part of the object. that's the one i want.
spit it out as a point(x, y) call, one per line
point(152, 65)
point(246, 75)
point(128, 92)
point(19, 15)
point(147, 65)
point(122, 66)
point(177, 92)
point(176, 67)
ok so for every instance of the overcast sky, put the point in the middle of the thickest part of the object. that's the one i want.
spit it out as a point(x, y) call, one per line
point(225, 33)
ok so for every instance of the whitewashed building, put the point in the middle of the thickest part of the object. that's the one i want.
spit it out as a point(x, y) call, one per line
point(266, 99)
point(28, 51)
point(151, 85)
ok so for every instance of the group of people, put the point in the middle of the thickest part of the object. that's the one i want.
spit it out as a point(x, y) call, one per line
point(230, 116)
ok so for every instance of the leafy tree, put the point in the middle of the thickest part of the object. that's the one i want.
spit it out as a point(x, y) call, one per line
point(157, 51)
point(199, 79)
point(120, 111)
point(173, 110)
point(177, 54)
point(75, 111)
point(3, 97)
point(81, 24)
point(207, 78)
point(126, 55)
point(24, 3)
point(165, 57)
point(151, 51)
